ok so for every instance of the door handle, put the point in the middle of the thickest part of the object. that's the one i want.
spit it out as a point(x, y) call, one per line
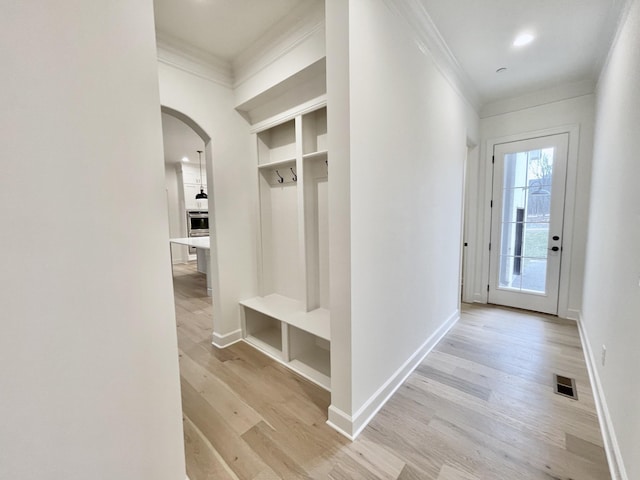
point(554, 249)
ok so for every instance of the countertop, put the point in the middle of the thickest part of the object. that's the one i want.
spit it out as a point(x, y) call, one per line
point(198, 242)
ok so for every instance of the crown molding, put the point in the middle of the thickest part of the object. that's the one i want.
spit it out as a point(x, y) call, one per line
point(184, 56)
point(556, 93)
point(430, 42)
point(300, 24)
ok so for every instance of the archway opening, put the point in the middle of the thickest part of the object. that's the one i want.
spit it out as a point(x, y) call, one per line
point(197, 300)
point(182, 138)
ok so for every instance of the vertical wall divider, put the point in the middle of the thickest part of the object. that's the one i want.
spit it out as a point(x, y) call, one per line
point(262, 288)
point(315, 166)
point(302, 244)
point(286, 355)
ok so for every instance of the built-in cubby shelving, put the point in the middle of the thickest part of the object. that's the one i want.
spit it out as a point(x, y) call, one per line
point(290, 320)
point(292, 312)
point(264, 332)
point(310, 355)
point(314, 131)
point(277, 143)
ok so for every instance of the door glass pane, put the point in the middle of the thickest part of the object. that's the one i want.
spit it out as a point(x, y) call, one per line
point(536, 237)
point(526, 202)
point(509, 272)
point(515, 166)
point(534, 274)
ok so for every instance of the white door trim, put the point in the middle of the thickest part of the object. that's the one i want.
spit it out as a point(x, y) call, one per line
point(546, 301)
point(484, 211)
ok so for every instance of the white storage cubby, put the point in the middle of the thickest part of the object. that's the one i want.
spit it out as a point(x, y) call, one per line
point(279, 220)
point(314, 132)
point(264, 332)
point(310, 355)
point(277, 144)
point(293, 175)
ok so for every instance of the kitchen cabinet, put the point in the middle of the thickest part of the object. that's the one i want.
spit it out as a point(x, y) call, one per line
point(190, 175)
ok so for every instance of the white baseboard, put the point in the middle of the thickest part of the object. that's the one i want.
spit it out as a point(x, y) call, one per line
point(573, 314)
point(340, 421)
point(222, 341)
point(611, 447)
point(479, 298)
point(352, 426)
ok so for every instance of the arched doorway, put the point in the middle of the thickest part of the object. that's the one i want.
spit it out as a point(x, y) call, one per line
point(207, 164)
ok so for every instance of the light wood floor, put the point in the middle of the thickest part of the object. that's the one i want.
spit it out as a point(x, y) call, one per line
point(480, 406)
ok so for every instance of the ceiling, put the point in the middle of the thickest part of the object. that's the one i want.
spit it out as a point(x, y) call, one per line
point(179, 141)
point(572, 38)
point(222, 28)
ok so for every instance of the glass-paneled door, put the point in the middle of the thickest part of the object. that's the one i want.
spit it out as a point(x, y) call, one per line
point(526, 223)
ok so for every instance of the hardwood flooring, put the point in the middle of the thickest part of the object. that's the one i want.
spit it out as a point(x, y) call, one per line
point(480, 406)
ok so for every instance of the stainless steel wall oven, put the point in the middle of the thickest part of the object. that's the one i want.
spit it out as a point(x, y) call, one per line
point(197, 225)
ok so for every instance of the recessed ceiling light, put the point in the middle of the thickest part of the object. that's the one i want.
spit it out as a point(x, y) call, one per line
point(501, 70)
point(185, 159)
point(523, 39)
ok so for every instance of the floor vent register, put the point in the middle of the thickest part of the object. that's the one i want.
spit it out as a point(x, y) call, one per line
point(565, 386)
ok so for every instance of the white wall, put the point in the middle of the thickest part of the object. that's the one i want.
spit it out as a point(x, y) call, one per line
point(232, 182)
point(563, 116)
point(408, 143)
point(611, 306)
point(88, 357)
point(338, 121)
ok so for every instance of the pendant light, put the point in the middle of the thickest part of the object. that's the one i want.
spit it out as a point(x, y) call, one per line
point(200, 195)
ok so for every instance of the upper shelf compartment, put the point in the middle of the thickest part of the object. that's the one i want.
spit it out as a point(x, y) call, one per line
point(277, 145)
point(314, 132)
point(258, 101)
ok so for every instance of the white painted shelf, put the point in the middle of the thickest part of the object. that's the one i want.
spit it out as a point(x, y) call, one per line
point(316, 322)
point(291, 312)
point(276, 164)
point(312, 155)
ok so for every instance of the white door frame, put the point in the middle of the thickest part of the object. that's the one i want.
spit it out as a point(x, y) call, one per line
point(469, 221)
point(546, 301)
point(484, 213)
